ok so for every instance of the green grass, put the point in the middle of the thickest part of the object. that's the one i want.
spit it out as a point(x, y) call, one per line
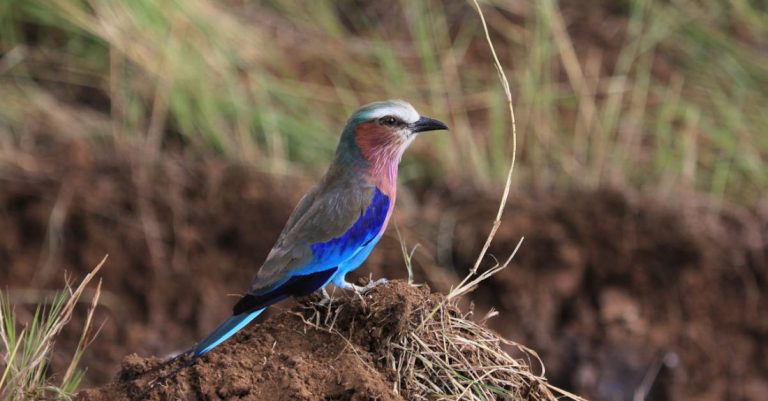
point(272, 83)
point(27, 351)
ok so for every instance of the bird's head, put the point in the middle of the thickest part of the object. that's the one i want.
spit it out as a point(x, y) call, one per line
point(378, 133)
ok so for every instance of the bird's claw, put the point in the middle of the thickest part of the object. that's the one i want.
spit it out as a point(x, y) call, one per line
point(371, 285)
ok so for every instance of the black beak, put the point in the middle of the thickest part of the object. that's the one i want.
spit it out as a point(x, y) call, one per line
point(427, 124)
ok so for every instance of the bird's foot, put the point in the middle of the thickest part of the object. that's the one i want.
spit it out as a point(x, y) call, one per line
point(371, 285)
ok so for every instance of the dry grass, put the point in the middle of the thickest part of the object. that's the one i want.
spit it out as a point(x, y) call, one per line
point(441, 353)
point(28, 351)
point(444, 355)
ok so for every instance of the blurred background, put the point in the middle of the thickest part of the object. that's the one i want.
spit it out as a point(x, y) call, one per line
point(176, 136)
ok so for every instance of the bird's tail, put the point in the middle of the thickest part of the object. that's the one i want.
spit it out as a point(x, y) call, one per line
point(225, 330)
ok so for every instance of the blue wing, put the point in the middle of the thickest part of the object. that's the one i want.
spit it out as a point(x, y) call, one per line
point(367, 228)
point(326, 258)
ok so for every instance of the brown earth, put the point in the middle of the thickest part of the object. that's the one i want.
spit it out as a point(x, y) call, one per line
point(611, 289)
point(340, 351)
point(285, 358)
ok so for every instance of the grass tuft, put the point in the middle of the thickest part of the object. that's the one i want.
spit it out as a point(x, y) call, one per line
point(24, 369)
point(446, 355)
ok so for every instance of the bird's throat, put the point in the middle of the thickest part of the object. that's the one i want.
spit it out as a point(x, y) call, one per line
point(383, 173)
point(382, 149)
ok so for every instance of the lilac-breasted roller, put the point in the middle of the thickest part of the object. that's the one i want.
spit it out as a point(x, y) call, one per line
point(338, 222)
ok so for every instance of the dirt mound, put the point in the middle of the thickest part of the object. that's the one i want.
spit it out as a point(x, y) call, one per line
point(354, 349)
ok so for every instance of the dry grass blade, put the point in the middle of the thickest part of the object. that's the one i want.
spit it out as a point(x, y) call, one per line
point(472, 279)
point(85, 338)
point(407, 256)
point(508, 184)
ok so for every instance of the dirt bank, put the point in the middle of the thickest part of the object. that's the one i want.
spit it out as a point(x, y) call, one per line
point(618, 291)
point(609, 287)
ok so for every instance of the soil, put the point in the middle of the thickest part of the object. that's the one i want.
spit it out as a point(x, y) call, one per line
point(337, 351)
point(617, 292)
point(286, 358)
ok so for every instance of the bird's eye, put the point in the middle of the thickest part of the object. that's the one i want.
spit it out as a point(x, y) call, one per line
point(388, 120)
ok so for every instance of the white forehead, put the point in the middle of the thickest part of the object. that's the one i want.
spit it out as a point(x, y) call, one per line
point(398, 108)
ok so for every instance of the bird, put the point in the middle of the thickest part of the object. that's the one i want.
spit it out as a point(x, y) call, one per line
point(336, 225)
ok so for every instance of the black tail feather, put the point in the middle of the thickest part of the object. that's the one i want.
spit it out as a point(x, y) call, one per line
point(296, 286)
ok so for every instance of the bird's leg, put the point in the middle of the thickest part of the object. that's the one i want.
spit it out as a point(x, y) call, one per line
point(341, 282)
point(372, 284)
